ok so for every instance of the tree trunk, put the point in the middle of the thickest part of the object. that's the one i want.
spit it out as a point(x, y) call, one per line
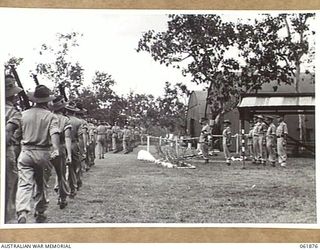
point(302, 117)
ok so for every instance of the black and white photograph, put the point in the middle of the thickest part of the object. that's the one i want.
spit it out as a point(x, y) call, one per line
point(154, 117)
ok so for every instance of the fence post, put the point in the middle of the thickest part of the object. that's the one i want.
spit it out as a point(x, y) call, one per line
point(148, 143)
point(177, 149)
point(237, 144)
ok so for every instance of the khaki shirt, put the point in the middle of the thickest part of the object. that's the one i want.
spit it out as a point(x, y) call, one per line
point(271, 132)
point(76, 124)
point(256, 128)
point(126, 134)
point(83, 128)
point(226, 135)
point(205, 131)
point(109, 133)
point(92, 131)
point(102, 130)
point(262, 129)
point(38, 125)
point(64, 124)
point(12, 114)
point(282, 129)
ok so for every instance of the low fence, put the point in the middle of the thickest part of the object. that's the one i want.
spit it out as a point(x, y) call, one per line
point(183, 147)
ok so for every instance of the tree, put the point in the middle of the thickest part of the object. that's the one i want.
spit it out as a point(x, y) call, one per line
point(16, 61)
point(198, 44)
point(276, 48)
point(60, 68)
point(98, 97)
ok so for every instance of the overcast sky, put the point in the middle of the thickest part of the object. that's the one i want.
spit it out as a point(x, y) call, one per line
point(108, 44)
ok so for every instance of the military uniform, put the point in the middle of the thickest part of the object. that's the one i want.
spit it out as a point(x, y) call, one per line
point(40, 131)
point(271, 142)
point(204, 142)
point(255, 141)
point(13, 116)
point(75, 167)
point(115, 138)
point(281, 132)
point(101, 139)
point(262, 142)
point(60, 162)
point(126, 140)
point(92, 134)
point(108, 139)
point(226, 141)
point(250, 143)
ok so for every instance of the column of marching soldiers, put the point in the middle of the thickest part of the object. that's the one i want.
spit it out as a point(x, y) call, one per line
point(51, 134)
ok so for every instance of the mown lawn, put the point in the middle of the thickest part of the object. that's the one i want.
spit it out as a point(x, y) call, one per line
point(121, 189)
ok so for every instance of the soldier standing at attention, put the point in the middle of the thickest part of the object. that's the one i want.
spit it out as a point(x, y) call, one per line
point(126, 139)
point(65, 153)
point(250, 141)
point(262, 140)
point(13, 119)
point(203, 139)
point(39, 129)
point(255, 140)
point(271, 141)
point(226, 141)
point(74, 168)
point(282, 132)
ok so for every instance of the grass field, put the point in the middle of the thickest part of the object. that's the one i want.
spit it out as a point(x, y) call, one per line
point(121, 189)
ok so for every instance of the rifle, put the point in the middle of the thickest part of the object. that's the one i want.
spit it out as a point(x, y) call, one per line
point(22, 94)
point(62, 91)
point(34, 76)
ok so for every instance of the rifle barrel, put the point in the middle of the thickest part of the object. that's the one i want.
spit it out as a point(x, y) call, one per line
point(22, 93)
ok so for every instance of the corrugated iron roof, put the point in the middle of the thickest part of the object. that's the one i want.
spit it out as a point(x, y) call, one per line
point(251, 101)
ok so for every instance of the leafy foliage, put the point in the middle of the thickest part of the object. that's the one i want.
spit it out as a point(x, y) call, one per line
point(61, 69)
point(200, 46)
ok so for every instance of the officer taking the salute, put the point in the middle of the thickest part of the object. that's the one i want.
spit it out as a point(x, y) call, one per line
point(39, 129)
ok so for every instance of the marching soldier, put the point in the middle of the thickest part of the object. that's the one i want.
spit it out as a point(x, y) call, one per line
point(75, 167)
point(92, 138)
point(101, 136)
point(83, 139)
point(282, 132)
point(115, 132)
point(226, 141)
point(108, 138)
point(13, 119)
point(65, 155)
point(34, 163)
point(126, 139)
point(203, 139)
point(271, 140)
point(262, 130)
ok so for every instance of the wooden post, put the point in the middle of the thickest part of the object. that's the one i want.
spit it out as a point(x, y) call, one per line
point(148, 143)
